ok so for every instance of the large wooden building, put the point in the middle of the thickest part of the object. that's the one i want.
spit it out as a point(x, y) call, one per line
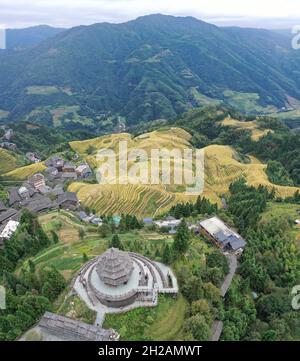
point(222, 236)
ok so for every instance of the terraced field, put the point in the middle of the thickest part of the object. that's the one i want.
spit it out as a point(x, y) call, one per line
point(118, 199)
point(8, 161)
point(3, 114)
point(23, 173)
point(256, 132)
point(221, 169)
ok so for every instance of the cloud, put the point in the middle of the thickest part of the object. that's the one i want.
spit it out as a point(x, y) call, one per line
point(67, 13)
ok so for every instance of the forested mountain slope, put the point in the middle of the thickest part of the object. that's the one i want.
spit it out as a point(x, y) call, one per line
point(153, 67)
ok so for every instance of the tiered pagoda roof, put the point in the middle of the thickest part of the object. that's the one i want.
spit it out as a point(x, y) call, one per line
point(114, 267)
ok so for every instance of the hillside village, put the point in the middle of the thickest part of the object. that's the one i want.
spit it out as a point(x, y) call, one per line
point(43, 192)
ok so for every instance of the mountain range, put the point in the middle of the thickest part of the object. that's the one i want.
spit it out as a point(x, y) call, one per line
point(153, 67)
point(19, 39)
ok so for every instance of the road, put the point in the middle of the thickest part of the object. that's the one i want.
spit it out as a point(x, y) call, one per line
point(232, 261)
point(218, 325)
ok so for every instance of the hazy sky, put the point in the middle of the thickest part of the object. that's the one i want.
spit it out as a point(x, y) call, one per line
point(67, 13)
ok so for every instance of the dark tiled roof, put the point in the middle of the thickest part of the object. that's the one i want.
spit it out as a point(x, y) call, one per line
point(170, 218)
point(38, 204)
point(58, 190)
point(221, 237)
point(4, 216)
point(30, 189)
point(82, 215)
point(36, 178)
point(50, 169)
point(69, 165)
point(14, 196)
point(236, 243)
point(72, 330)
point(69, 175)
point(67, 197)
point(2, 207)
point(54, 161)
point(45, 189)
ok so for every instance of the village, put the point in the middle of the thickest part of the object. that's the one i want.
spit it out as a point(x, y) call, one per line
point(43, 192)
point(115, 281)
point(5, 141)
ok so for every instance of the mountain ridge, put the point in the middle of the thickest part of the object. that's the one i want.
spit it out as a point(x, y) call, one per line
point(153, 67)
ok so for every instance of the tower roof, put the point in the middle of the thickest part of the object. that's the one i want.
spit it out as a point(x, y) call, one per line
point(114, 267)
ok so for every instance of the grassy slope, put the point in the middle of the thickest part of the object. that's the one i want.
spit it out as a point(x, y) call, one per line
point(168, 328)
point(256, 132)
point(8, 161)
point(67, 255)
point(162, 323)
point(221, 169)
point(23, 173)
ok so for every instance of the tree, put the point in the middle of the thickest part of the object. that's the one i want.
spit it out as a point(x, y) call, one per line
point(198, 327)
point(31, 265)
point(90, 150)
point(81, 233)
point(270, 335)
point(53, 282)
point(217, 259)
point(55, 238)
point(202, 307)
point(104, 230)
point(212, 293)
point(166, 256)
point(115, 242)
point(182, 238)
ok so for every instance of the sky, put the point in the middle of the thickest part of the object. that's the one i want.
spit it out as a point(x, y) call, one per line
point(68, 13)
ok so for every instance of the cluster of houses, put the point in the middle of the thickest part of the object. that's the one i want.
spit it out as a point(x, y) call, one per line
point(9, 222)
point(91, 218)
point(59, 171)
point(33, 157)
point(213, 228)
point(37, 196)
point(41, 193)
point(5, 141)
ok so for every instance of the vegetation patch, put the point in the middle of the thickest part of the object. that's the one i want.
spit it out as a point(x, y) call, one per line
point(160, 323)
point(252, 126)
point(246, 102)
point(3, 113)
point(8, 161)
point(23, 173)
point(42, 90)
